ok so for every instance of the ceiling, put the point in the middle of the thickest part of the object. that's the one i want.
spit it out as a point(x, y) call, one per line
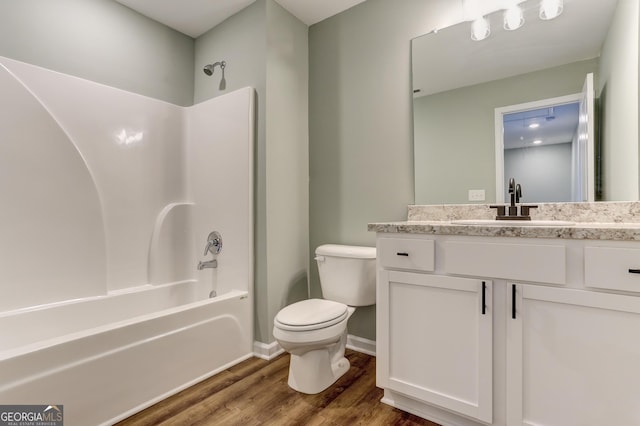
point(556, 124)
point(195, 17)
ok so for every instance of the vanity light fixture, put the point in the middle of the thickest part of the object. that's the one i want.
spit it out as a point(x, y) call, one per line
point(513, 18)
point(550, 9)
point(480, 29)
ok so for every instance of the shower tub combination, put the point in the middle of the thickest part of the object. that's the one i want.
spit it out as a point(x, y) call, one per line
point(119, 317)
point(106, 358)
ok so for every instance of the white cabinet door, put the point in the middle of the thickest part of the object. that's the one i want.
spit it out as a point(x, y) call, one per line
point(435, 336)
point(573, 358)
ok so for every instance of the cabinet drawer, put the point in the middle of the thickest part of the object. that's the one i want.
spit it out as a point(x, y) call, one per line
point(407, 254)
point(527, 262)
point(609, 268)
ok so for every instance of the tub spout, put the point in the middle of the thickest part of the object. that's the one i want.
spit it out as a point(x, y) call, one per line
point(209, 264)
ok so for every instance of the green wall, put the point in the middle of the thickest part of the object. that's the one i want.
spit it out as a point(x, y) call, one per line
point(287, 163)
point(102, 41)
point(240, 41)
point(360, 125)
point(618, 85)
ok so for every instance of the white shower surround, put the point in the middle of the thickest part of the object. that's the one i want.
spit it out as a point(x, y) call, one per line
point(108, 198)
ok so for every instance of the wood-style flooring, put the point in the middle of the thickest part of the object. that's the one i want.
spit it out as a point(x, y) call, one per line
point(255, 392)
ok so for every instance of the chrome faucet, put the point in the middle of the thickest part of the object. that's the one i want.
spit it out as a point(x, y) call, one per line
point(209, 264)
point(214, 243)
point(214, 246)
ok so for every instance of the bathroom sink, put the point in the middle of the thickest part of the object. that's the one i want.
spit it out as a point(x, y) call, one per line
point(493, 222)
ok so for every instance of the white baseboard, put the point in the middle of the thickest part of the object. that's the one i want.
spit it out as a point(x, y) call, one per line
point(267, 351)
point(360, 344)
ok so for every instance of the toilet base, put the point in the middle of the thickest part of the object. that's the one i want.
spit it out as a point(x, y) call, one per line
point(317, 356)
point(314, 372)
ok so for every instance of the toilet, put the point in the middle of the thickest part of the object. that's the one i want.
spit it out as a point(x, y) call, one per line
point(314, 331)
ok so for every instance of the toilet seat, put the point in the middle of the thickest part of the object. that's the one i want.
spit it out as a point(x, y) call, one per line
point(312, 314)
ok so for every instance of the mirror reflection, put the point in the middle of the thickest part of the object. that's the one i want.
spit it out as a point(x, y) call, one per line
point(540, 149)
point(464, 90)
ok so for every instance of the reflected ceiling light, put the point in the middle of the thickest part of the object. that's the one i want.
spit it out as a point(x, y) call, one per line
point(513, 18)
point(480, 29)
point(583, 118)
point(537, 142)
point(534, 125)
point(125, 137)
point(550, 9)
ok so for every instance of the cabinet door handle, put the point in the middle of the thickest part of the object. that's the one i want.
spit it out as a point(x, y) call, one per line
point(403, 254)
point(634, 271)
point(513, 301)
point(484, 298)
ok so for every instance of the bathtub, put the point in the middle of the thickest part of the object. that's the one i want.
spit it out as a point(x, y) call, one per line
point(105, 358)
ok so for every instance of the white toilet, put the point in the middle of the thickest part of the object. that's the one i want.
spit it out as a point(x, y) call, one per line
point(314, 331)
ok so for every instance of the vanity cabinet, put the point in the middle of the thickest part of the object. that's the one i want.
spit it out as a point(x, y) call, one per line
point(439, 344)
point(572, 357)
point(509, 331)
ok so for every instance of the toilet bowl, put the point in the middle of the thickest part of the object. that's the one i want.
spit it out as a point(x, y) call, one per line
point(314, 331)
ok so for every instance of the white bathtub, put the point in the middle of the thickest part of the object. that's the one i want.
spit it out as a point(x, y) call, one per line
point(104, 358)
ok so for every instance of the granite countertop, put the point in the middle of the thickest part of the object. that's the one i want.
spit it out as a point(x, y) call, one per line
point(578, 231)
point(618, 221)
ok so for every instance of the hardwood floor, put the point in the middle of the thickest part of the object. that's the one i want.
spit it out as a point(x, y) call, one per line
point(255, 392)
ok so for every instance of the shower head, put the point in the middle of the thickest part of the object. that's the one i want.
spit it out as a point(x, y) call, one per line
point(208, 69)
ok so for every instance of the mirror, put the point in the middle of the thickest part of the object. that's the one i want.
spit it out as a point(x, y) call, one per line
point(459, 84)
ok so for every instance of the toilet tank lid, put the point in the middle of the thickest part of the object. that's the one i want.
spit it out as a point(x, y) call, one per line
point(338, 250)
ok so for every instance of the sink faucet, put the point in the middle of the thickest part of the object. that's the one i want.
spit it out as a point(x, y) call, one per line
point(512, 191)
point(515, 197)
point(515, 193)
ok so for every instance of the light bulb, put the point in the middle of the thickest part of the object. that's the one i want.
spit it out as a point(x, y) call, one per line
point(513, 18)
point(480, 29)
point(550, 9)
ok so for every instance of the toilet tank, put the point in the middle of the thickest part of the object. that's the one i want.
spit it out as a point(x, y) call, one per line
point(347, 274)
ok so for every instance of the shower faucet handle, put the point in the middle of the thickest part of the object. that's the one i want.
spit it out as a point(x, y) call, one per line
point(214, 243)
point(207, 248)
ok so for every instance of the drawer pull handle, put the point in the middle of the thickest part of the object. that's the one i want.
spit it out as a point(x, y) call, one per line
point(403, 254)
point(484, 298)
point(513, 301)
point(634, 271)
